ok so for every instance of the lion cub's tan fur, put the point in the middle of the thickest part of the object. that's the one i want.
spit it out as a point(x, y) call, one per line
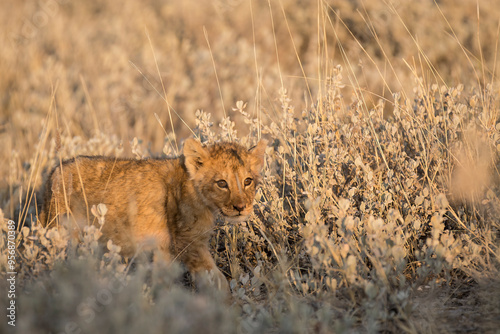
point(172, 202)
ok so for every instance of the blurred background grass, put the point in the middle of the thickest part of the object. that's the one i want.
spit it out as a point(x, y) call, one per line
point(110, 62)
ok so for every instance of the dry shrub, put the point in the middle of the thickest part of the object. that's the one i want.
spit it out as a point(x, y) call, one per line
point(473, 173)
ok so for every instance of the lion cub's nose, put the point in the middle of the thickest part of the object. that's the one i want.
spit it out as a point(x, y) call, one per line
point(239, 207)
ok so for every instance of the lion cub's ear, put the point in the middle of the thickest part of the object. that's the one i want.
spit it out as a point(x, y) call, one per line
point(257, 155)
point(195, 155)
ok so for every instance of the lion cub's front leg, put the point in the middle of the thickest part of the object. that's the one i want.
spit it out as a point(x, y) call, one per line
point(202, 267)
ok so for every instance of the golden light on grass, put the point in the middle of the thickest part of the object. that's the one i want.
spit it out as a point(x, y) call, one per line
point(352, 230)
point(473, 172)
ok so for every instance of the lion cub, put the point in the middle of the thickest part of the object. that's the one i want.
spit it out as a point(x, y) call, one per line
point(170, 202)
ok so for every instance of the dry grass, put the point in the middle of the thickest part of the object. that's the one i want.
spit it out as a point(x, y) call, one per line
point(379, 208)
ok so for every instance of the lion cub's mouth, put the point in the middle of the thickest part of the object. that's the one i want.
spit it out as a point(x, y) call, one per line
point(235, 218)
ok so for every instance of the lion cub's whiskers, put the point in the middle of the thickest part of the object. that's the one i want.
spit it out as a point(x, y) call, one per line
point(167, 204)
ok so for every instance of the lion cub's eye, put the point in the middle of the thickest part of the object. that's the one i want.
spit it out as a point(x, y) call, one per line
point(221, 184)
point(248, 182)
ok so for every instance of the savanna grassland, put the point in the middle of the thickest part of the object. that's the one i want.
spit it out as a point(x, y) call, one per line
point(379, 209)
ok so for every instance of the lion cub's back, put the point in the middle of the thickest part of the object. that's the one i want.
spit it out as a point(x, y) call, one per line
point(104, 176)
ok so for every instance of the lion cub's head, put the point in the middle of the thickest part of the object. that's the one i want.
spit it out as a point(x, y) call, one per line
point(225, 175)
